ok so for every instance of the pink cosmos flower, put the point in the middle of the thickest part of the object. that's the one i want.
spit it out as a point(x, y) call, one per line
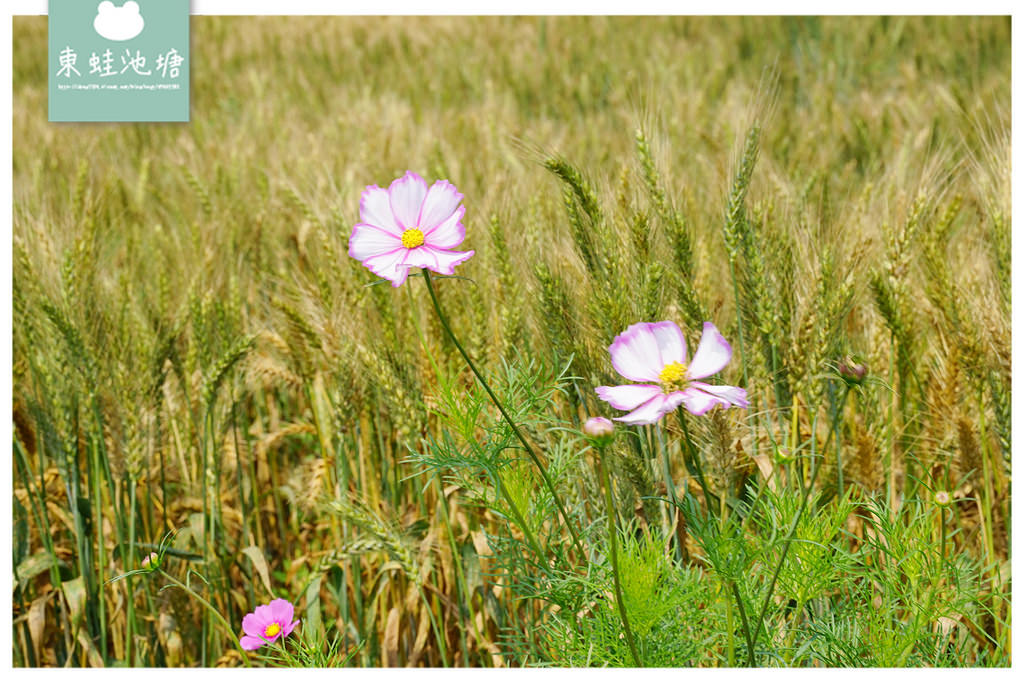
point(409, 225)
point(655, 354)
point(267, 624)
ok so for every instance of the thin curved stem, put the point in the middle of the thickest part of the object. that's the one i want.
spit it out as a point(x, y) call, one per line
point(501, 408)
point(751, 658)
point(213, 610)
point(815, 467)
point(692, 461)
point(671, 489)
point(614, 554)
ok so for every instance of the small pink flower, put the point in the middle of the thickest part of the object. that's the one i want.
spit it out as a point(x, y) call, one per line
point(267, 624)
point(655, 354)
point(408, 226)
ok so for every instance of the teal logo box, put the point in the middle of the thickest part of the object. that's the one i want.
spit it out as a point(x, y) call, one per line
point(119, 60)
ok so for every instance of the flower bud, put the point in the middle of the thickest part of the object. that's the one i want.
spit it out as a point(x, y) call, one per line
point(942, 498)
point(852, 371)
point(151, 562)
point(599, 431)
point(783, 454)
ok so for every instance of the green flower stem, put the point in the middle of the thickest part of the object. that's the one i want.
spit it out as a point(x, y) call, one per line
point(836, 418)
point(670, 486)
point(494, 399)
point(692, 461)
point(614, 554)
point(213, 610)
point(519, 518)
point(942, 536)
point(751, 658)
point(815, 467)
point(730, 643)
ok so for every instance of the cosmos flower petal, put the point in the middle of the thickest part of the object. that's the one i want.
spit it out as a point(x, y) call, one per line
point(407, 195)
point(369, 240)
point(449, 233)
point(713, 353)
point(264, 615)
point(375, 209)
point(671, 342)
point(737, 396)
point(388, 266)
point(653, 410)
point(447, 260)
point(421, 257)
point(282, 610)
point(252, 625)
point(628, 396)
point(440, 203)
point(635, 354)
point(699, 402)
point(673, 401)
point(648, 413)
point(250, 642)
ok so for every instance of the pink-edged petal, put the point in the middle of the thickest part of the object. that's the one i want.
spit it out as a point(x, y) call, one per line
point(628, 396)
point(653, 410)
point(440, 203)
point(712, 354)
point(264, 616)
point(388, 266)
point(421, 257)
point(369, 240)
point(252, 625)
point(635, 354)
point(737, 396)
point(287, 630)
point(699, 402)
point(671, 342)
point(449, 234)
point(375, 209)
point(438, 260)
point(407, 195)
point(250, 642)
point(282, 610)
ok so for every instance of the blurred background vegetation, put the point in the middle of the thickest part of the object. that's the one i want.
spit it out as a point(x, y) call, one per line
point(194, 350)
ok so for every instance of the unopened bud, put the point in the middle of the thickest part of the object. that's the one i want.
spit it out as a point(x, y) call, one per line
point(852, 371)
point(599, 431)
point(783, 454)
point(151, 561)
point(942, 498)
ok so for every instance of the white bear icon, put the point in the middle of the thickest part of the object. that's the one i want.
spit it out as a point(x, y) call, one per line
point(118, 23)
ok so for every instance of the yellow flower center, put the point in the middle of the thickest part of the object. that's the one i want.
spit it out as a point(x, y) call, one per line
point(272, 630)
point(412, 238)
point(673, 376)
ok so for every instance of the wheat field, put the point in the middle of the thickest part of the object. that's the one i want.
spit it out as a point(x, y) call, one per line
point(201, 370)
